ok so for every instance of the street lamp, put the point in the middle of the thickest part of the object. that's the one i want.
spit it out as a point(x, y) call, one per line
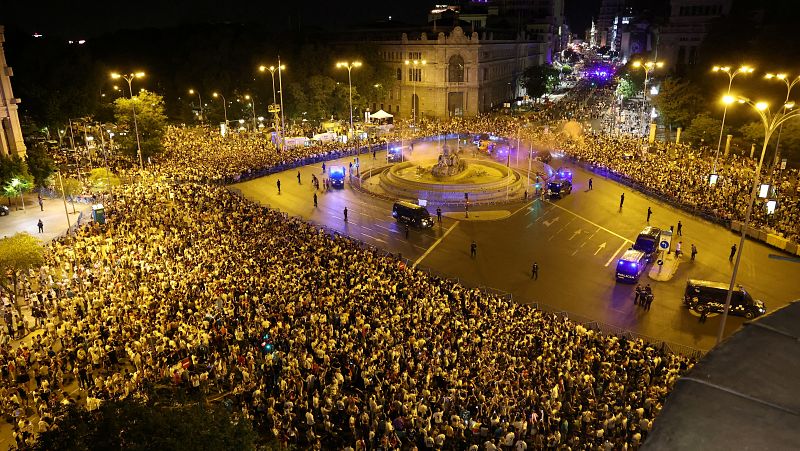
point(224, 106)
point(731, 75)
point(192, 91)
point(771, 123)
point(129, 78)
point(274, 107)
point(648, 67)
point(789, 85)
point(349, 67)
point(252, 100)
point(414, 101)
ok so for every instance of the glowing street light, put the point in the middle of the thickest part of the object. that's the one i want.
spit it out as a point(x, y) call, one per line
point(129, 78)
point(274, 107)
point(349, 66)
point(253, 108)
point(771, 122)
point(224, 106)
point(648, 67)
point(414, 99)
point(731, 75)
point(192, 91)
point(786, 105)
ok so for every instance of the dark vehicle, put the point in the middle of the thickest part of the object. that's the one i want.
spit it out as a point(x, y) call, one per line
point(705, 296)
point(647, 241)
point(559, 188)
point(631, 266)
point(412, 214)
point(396, 152)
point(3, 210)
point(544, 156)
point(564, 173)
point(337, 176)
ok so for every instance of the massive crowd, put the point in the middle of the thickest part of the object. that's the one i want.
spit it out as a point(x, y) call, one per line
point(320, 341)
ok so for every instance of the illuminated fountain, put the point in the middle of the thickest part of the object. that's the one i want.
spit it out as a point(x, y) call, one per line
point(443, 175)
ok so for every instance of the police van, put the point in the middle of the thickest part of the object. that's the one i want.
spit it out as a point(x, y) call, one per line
point(648, 241)
point(631, 265)
point(706, 296)
point(412, 214)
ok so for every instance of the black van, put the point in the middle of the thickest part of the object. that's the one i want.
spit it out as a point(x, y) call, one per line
point(647, 241)
point(412, 214)
point(703, 295)
point(559, 188)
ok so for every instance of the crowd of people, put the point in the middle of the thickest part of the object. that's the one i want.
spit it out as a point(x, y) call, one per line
point(319, 340)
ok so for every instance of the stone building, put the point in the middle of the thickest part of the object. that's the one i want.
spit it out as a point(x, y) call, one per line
point(688, 25)
point(10, 132)
point(463, 75)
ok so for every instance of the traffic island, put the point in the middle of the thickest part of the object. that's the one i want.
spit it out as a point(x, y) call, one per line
point(665, 267)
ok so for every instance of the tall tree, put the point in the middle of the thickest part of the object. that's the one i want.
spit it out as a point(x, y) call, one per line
point(18, 253)
point(40, 165)
point(678, 101)
point(540, 80)
point(150, 121)
point(703, 128)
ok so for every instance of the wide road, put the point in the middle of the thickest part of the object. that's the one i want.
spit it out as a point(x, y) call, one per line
point(576, 241)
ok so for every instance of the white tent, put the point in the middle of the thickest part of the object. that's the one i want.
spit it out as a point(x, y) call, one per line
point(380, 114)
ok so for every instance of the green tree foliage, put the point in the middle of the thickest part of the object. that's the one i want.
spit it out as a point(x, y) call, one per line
point(18, 186)
point(11, 167)
point(703, 128)
point(540, 80)
point(678, 102)
point(626, 88)
point(137, 426)
point(69, 188)
point(753, 132)
point(40, 165)
point(17, 254)
point(150, 120)
point(102, 178)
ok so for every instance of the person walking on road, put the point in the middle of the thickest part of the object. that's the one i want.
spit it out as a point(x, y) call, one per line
point(703, 316)
point(694, 251)
point(41, 226)
point(407, 231)
point(535, 271)
point(315, 200)
point(439, 214)
point(649, 213)
point(279, 186)
point(680, 229)
point(345, 214)
point(733, 253)
point(621, 200)
point(637, 294)
point(323, 167)
point(298, 178)
point(41, 203)
point(590, 184)
point(648, 300)
point(473, 249)
point(678, 249)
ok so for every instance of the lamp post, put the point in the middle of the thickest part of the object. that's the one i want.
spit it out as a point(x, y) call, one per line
point(349, 66)
point(252, 100)
point(272, 69)
point(648, 67)
point(789, 85)
point(192, 91)
point(414, 101)
point(129, 78)
point(731, 75)
point(771, 123)
point(224, 107)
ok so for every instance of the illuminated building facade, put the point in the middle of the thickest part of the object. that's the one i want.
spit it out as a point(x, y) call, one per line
point(689, 23)
point(10, 132)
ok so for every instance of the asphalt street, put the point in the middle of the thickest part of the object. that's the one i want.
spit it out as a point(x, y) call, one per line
point(575, 241)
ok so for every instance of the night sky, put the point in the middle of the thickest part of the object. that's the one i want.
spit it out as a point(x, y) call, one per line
point(86, 19)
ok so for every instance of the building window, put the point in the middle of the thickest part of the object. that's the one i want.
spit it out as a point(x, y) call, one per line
point(455, 69)
point(399, 73)
point(414, 74)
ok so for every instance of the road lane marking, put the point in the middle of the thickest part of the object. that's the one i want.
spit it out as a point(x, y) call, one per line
point(600, 248)
point(574, 234)
point(528, 205)
point(436, 243)
point(551, 222)
point(591, 222)
point(624, 243)
point(376, 239)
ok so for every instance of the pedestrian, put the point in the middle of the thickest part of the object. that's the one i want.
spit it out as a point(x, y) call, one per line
point(407, 230)
point(703, 315)
point(41, 203)
point(41, 226)
point(473, 249)
point(315, 200)
point(694, 251)
point(439, 214)
point(637, 294)
point(649, 213)
point(323, 167)
point(678, 249)
point(733, 253)
point(535, 271)
point(345, 214)
point(621, 200)
point(590, 183)
point(279, 186)
point(298, 178)
point(648, 301)
point(680, 229)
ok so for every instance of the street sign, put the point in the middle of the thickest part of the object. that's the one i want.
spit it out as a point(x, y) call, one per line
point(664, 244)
point(274, 108)
point(660, 262)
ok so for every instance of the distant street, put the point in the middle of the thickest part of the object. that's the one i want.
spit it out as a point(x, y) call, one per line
point(575, 241)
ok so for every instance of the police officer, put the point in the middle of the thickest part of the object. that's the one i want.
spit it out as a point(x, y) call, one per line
point(637, 294)
point(298, 177)
point(535, 271)
point(345, 214)
point(279, 186)
point(315, 200)
point(439, 214)
point(473, 249)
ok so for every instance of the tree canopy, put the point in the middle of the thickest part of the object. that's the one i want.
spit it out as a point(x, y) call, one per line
point(678, 101)
point(150, 121)
point(540, 80)
point(703, 128)
point(18, 253)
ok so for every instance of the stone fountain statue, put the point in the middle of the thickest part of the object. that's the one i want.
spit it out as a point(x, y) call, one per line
point(449, 164)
